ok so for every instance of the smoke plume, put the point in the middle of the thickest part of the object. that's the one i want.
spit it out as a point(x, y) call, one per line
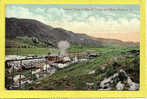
point(63, 46)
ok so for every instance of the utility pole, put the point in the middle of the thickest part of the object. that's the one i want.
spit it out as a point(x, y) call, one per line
point(20, 80)
point(46, 67)
point(31, 72)
point(20, 75)
point(17, 50)
point(12, 75)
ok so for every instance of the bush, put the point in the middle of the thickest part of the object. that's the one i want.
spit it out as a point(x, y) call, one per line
point(110, 70)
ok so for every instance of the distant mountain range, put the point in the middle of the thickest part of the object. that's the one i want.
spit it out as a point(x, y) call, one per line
point(115, 41)
point(32, 28)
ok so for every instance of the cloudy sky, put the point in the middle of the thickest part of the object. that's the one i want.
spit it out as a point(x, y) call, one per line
point(106, 21)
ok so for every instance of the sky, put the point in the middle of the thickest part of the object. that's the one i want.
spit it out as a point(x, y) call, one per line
point(105, 21)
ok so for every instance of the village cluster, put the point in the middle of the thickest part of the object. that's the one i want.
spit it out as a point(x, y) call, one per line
point(22, 70)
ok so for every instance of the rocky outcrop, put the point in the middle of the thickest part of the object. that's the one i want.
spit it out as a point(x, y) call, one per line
point(118, 81)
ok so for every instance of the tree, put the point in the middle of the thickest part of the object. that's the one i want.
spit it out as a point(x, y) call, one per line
point(35, 40)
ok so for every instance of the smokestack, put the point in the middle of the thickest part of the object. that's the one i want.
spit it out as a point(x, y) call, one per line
point(63, 46)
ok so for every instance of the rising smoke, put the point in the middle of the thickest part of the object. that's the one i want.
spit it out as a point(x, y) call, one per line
point(63, 46)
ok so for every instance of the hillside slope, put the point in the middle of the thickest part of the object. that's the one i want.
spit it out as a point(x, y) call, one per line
point(44, 33)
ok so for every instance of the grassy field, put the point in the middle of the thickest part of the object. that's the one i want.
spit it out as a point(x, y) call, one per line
point(30, 51)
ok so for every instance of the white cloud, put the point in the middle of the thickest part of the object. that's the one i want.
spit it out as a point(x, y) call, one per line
point(57, 17)
point(100, 25)
point(39, 10)
point(21, 12)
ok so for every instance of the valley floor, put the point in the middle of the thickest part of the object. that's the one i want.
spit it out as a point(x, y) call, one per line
point(115, 68)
